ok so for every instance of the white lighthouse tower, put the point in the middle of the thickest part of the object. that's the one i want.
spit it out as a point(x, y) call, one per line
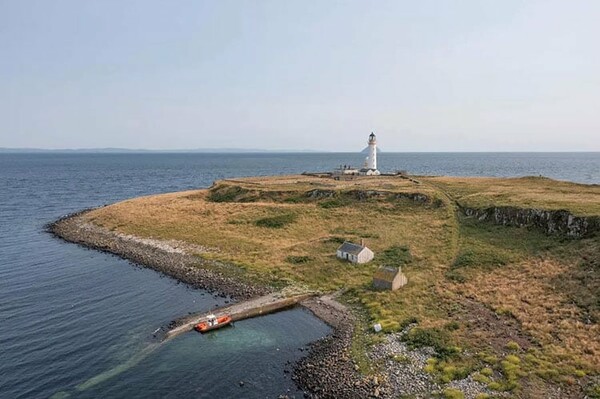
point(372, 161)
point(370, 168)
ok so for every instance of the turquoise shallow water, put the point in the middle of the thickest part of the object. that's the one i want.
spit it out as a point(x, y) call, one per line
point(78, 322)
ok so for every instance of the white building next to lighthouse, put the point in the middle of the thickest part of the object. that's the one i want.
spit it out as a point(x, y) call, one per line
point(370, 168)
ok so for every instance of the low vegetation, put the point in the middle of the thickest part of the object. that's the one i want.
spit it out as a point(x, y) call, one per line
point(516, 309)
point(523, 192)
point(277, 221)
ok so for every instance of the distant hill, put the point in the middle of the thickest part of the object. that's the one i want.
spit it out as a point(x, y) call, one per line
point(366, 150)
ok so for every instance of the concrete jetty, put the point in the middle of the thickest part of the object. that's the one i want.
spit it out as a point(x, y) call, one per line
point(243, 310)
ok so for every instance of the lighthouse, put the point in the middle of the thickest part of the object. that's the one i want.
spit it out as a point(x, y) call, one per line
point(372, 160)
point(370, 168)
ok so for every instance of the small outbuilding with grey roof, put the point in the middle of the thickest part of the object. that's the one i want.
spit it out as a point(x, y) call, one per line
point(389, 278)
point(355, 253)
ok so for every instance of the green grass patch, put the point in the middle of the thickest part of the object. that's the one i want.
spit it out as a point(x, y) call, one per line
point(395, 256)
point(433, 337)
point(298, 260)
point(593, 392)
point(452, 393)
point(226, 193)
point(276, 222)
point(513, 346)
point(482, 378)
point(334, 203)
point(334, 239)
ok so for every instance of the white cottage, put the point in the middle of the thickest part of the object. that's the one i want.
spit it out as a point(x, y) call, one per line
point(355, 253)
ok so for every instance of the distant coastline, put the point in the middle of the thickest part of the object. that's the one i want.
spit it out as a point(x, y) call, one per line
point(148, 151)
point(6, 150)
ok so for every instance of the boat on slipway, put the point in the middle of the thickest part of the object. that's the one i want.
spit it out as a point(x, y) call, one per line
point(212, 323)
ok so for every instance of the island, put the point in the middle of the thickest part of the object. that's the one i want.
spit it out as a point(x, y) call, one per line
point(501, 276)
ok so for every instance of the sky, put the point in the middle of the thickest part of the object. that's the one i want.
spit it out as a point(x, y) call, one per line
point(469, 75)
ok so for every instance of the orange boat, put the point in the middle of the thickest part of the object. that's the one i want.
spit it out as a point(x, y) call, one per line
point(212, 323)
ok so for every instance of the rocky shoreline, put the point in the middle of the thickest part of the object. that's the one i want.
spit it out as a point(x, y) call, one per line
point(166, 258)
point(326, 372)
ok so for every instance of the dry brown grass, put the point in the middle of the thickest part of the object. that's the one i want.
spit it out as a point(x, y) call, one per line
point(527, 290)
point(230, 228)
point(525, 192)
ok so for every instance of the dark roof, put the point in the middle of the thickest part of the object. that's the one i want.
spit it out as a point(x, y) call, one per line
point(350, 248)
point(386, 273)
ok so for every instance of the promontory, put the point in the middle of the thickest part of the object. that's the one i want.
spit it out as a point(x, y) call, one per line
point(500, 288)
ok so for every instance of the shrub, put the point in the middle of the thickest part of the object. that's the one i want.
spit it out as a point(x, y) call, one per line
point(225, 194)
point(580, 373)
point(455, 276)
point(333, 203)
point(296, 260)
point(433, 337)
point(335, 239)
point(513, 346)
point(408, 321)
point(276, 222)
point(401, 359)
point(481, 257)
point(430, 367)
point(396, 255)
point(465, 258)
point(593, 392)
point(293, 200)
point(488, 358)
point(452, 326)
point(513, 359)
point(488, 372)
point(451, 393)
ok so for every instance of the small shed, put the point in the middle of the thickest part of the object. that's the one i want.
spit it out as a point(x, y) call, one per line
point(389, 278)
point(355, 253)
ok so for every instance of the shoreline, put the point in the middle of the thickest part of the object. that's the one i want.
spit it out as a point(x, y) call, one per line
point(326, 372)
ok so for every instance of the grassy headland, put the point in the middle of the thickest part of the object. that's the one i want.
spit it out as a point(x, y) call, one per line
point(514, 307)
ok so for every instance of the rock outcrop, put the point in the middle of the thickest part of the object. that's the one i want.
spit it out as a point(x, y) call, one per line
point(550, 221)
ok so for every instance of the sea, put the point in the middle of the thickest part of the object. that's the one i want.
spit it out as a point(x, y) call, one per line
point(79, 323)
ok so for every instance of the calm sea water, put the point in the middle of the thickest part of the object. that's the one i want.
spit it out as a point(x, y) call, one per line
point(78, 323)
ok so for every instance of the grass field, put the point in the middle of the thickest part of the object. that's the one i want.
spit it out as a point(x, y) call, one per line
point(523, 192)
point(514, 301)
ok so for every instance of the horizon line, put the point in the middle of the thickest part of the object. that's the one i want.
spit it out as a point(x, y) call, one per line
point(255, 150)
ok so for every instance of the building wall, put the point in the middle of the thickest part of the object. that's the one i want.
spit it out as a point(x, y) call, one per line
point(382, 284)
point(399, 281)
point(366, 255)
point(372, 163)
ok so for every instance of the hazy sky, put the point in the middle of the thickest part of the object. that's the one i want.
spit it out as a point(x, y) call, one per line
point(424, 75)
